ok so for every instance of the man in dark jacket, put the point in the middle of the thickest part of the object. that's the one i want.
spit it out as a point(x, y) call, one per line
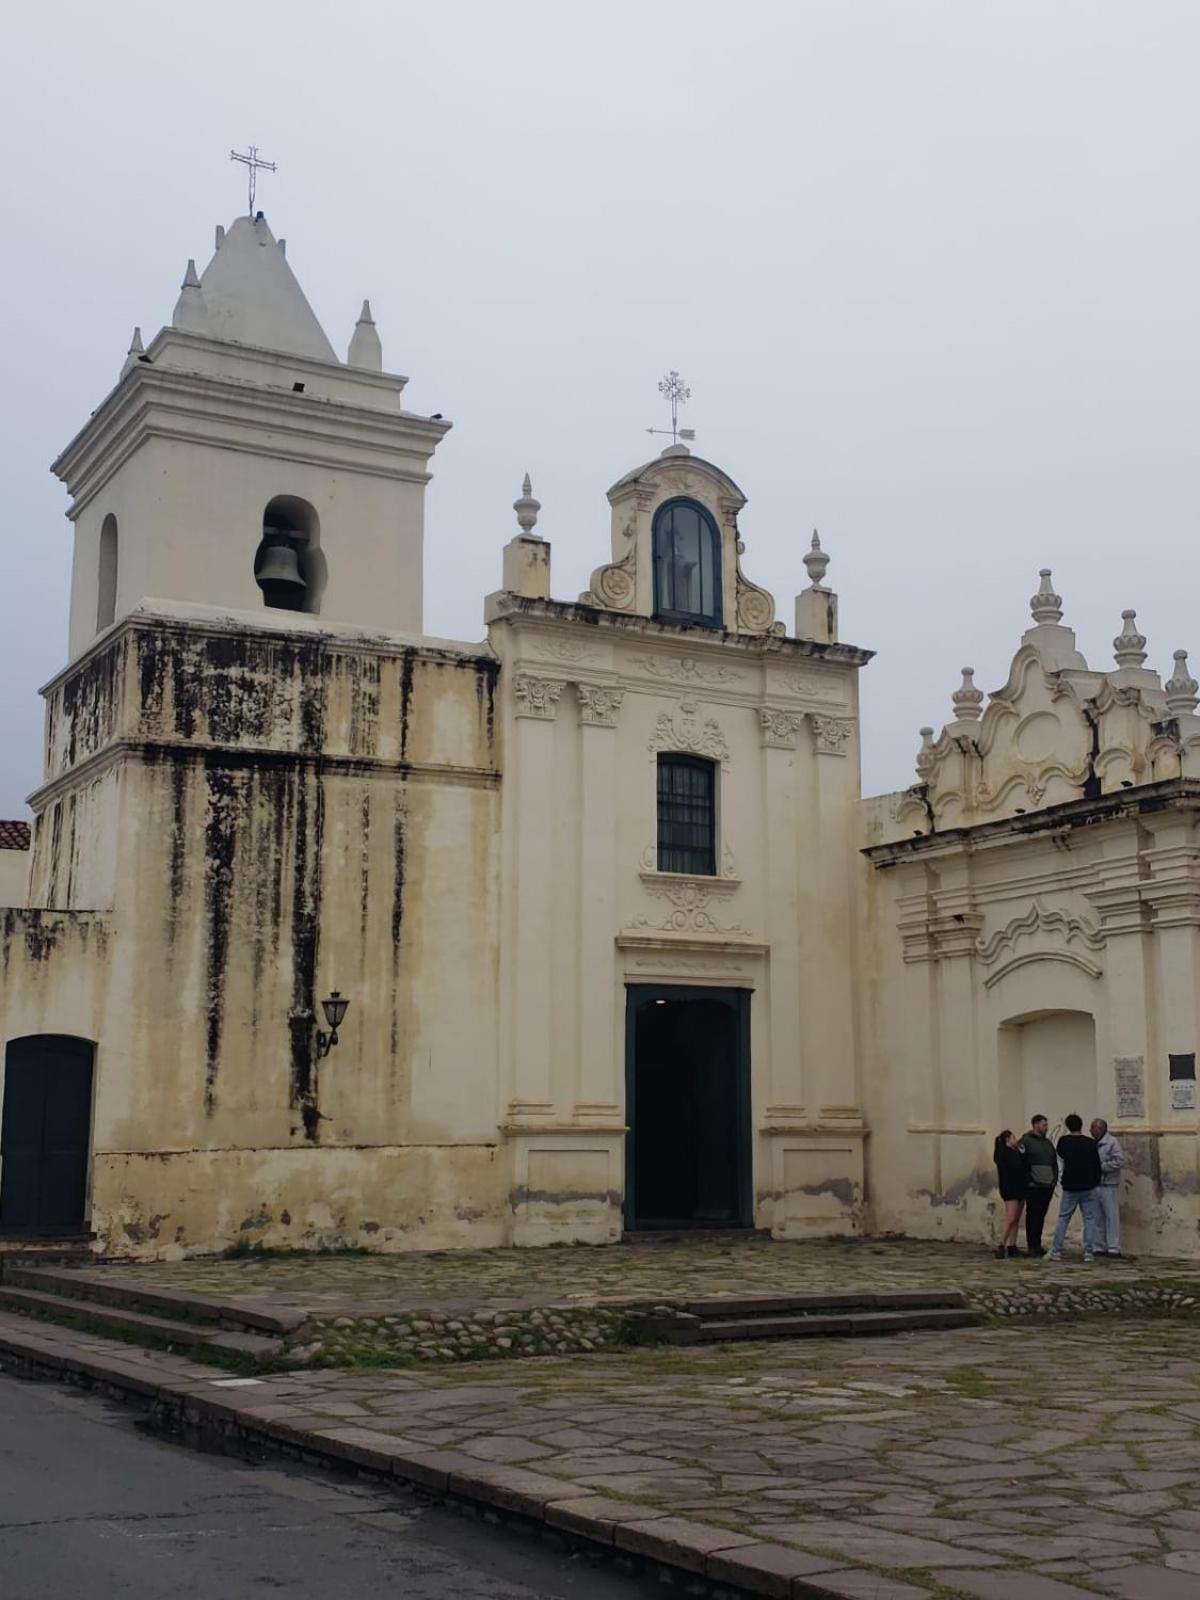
point(1041, 1167)
point(1080, 1180)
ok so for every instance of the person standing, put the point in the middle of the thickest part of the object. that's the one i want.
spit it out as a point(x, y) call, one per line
point(1010, 1173)
point(1112, 1159)
point(1041, 1166)
point(1080, 1180)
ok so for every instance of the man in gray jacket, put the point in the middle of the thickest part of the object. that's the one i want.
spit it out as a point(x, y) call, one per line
point(1112, 1159)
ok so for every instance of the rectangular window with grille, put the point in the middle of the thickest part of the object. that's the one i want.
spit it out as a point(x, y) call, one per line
point(687, 822)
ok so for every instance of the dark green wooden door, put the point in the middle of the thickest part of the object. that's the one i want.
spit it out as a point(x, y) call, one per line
point(688, 1161)
point(45, 1135)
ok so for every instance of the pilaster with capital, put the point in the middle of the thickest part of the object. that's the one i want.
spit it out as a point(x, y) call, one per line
point(600, 1026)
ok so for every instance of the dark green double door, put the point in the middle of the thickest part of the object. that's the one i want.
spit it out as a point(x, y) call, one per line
point(687, 1161)
point(45, 1135)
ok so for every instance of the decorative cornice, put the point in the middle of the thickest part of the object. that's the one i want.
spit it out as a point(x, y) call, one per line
point(537, 697)
point(741, 648)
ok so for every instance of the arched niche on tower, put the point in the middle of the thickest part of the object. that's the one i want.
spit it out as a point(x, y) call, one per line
point(289, 564)
point(108, 559)
point(641, 502)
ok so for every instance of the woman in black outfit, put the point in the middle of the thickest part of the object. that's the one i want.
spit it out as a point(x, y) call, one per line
point(1014, 1181)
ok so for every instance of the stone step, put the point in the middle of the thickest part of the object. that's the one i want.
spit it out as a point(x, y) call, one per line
point(18, 1250)
point(822, 1325)
point(74, 1283)
point(136, 1325)
point(716, 1307)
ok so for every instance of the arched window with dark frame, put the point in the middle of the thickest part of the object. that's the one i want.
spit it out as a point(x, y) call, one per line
point(687, 815)
point(687, 564)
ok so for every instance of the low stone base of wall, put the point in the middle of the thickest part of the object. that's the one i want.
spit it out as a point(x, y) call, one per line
point(405, 1340)
point(1061, 1302)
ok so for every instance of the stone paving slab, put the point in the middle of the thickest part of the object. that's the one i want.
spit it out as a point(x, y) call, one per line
point(1005, 1464)
point(331, 1284)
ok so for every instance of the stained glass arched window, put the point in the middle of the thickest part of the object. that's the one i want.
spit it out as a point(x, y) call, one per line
point(687, 565)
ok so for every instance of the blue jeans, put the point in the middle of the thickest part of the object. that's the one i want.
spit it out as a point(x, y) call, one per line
point(1073, 1200)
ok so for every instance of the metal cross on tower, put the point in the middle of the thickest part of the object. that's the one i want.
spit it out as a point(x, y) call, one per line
point(255, 166)
point(676, 393)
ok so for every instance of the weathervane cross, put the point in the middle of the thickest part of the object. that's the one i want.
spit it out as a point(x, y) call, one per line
point(676, 393)
point(255, 165)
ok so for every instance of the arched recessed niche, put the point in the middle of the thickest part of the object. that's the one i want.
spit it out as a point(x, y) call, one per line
point(289, 566)
point(106, 587)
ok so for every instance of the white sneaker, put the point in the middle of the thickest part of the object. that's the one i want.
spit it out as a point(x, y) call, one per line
point(1052, 1256)
point(1088, 1258)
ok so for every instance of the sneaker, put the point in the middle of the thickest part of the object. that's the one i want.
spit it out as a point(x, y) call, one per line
point(1088, 1258)
point(1114, 1255)
point(1052, 1255)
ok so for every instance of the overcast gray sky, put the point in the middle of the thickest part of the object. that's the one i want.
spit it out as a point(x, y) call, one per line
point(930, 267)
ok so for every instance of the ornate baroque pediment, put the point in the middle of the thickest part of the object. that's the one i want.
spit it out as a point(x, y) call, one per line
point(1059, 924)
point(685, 729)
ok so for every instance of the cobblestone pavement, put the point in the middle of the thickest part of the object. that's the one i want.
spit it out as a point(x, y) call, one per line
point(362, 1285)
point(1004, 1464)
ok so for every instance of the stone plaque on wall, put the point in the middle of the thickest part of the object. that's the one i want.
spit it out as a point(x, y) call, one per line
point(1183, 1082)
point(1131, 1087)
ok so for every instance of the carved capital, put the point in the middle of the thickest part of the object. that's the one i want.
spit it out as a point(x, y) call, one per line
point(779, 728)
point(537, 697)
point(832, 735)
point(599, 704)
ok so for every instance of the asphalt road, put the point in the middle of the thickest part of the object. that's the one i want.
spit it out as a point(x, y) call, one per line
point(93, 1506)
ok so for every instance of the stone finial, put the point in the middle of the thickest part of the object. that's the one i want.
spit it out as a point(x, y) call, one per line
point(136, 349)
point(967, 700)
point(1183, 692)
point(365, 349)
point(527, 509)
point(1045, 604)
point(1129, 647)
point(190, 313)
point(816, 562)
point(925, 755)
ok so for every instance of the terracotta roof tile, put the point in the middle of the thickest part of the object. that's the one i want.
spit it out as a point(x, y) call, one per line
point(14, 836)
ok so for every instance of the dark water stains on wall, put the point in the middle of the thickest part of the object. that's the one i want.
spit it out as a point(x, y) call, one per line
point(225, 798)
point(307, 832)
point(88, 705)
point(406, 685)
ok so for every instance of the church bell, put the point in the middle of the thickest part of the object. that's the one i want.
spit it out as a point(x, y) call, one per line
point(278, 574)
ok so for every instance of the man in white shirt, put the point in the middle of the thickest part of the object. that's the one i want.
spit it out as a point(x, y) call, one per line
point(1112, 1159)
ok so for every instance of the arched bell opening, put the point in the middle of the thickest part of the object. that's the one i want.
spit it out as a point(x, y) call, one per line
point(289, 567)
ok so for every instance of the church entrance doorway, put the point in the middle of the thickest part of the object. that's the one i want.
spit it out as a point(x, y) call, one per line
point(687, 1152)
point(45, 1135)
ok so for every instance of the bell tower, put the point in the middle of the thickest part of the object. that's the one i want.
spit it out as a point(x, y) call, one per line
point(239, 465)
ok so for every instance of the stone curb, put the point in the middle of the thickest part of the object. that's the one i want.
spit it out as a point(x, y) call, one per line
point(183, 1391)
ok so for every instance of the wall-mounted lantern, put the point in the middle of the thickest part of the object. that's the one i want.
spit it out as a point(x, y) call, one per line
point(334, 1009)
